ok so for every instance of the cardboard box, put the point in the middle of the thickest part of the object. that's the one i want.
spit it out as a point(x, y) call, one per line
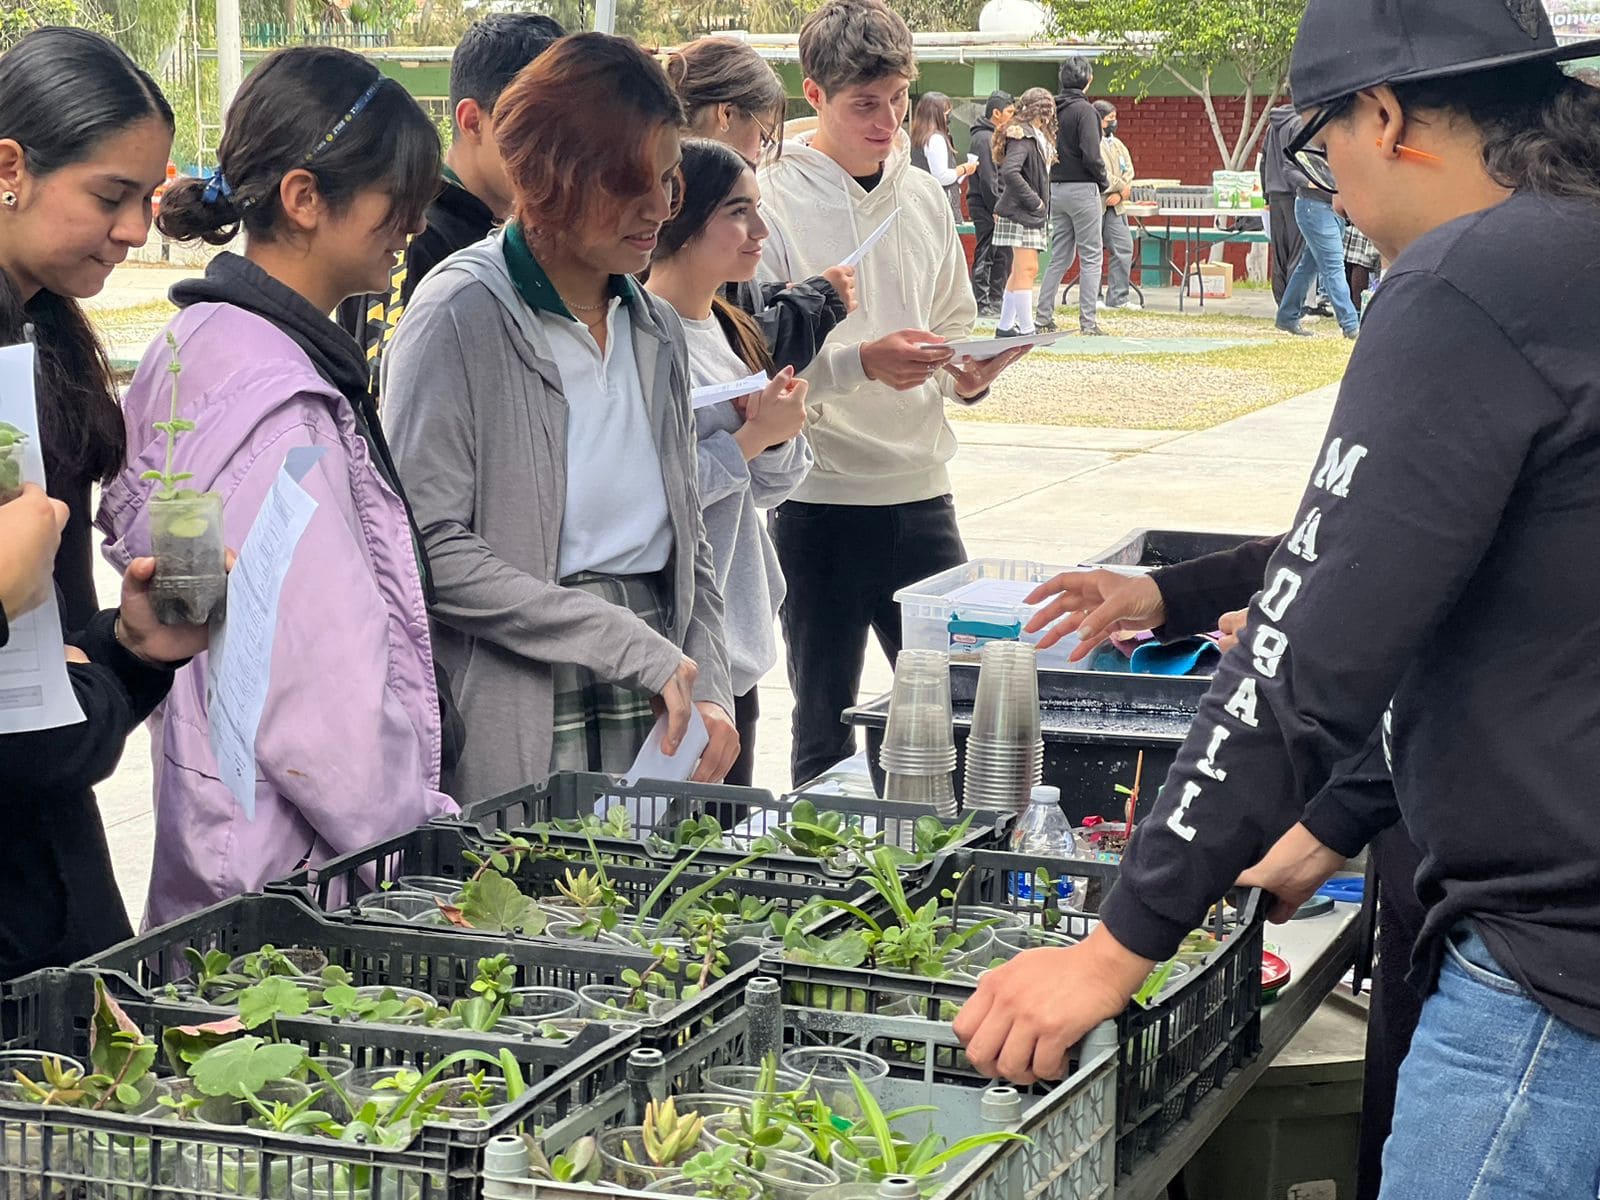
point(1216, 279)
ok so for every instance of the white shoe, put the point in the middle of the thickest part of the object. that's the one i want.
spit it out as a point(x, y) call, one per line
point(1130, 306)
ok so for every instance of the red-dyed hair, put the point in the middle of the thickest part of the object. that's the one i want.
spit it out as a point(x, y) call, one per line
point(577, 130)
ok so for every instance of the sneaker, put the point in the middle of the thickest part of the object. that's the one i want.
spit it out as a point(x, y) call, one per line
point(1350, 335)
point(1091, 331)
point(989, 310)
point(1294, 328)
point(1320, 310)
point(1131, 306)
point(1045, 326)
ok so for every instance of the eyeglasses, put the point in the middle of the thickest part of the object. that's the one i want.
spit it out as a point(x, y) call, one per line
point(769, 137)
point(1313, 160)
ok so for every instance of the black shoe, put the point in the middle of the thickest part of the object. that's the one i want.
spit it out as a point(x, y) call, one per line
point(988, 310)
point(1000, 333)
point(1044, 326)
point(1091, 331)
point(1294, 328)
point(1321, 310)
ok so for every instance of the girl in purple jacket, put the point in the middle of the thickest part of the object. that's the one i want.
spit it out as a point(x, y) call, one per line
point(327, 167)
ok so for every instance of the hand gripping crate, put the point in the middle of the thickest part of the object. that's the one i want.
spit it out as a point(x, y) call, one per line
point(441, 961)
point(60, 1153)
point(1173, 1053)
point(1070, 1125)
point(745, 814)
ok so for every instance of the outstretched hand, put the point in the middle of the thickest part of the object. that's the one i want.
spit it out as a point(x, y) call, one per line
point(1094, 605)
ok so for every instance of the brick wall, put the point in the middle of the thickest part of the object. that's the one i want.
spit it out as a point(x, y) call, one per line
point(1170, 138)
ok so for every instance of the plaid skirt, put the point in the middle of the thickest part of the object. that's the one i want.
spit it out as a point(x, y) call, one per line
point(601, 726)
point(1358, 249)
point(1010, 233)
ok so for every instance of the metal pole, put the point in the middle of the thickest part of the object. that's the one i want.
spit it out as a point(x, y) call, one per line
point(605, 16)
point(230, 54)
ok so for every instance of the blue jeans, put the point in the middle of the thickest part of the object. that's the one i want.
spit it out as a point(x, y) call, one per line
point(1324, 255)
point(1497, 1098)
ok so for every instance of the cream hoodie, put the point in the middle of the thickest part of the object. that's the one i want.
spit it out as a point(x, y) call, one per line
point(873, 445)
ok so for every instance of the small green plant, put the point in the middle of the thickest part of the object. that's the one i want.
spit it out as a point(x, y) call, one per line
point(716, 1172)
point(668, 1135)
point(174, 427)
point(580, 1164)
point(490, 898)
point(491, 991)
point(12, 443)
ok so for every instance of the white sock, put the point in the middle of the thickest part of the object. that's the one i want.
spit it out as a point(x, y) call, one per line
point(1024, 305)
point(1008, 311)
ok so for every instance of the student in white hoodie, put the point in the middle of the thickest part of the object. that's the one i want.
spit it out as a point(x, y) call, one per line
point(875, 513)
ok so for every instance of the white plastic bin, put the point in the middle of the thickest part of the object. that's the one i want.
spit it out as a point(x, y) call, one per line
point(963, 609)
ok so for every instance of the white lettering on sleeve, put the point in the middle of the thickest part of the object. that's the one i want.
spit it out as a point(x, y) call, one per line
point(1242, 704)
point(1269, 647)
point(1339, 468)
point(1208, 764)
point(1175, 822)
point(1304, 541)
point(1280, 593)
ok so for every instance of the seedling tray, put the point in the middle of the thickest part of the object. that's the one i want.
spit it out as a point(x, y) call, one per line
point(1172, 1054)
point(441, 961)
point(1071, 1124)
point(744, 814)
point(66, 1152)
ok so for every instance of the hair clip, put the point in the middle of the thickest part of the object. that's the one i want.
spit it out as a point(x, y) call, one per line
point(217, 187)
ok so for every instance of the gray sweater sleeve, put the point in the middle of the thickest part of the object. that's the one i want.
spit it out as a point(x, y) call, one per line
point(439, 400)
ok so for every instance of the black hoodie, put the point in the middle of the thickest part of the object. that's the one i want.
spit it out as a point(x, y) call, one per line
point(1079, 158)
point(984, 189)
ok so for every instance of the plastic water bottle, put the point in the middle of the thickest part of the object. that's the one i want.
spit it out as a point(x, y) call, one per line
point(1045, 832)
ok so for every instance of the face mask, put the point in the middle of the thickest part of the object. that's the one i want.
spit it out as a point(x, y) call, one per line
point(1111, 129)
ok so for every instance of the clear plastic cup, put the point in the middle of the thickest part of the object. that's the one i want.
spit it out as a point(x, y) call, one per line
point(1005, 711)
point(920, 727)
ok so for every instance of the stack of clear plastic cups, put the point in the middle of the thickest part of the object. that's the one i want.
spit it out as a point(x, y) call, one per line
point(1005, 753)
point(919, 748)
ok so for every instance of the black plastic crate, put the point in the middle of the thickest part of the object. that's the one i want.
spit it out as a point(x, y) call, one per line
point(744, 814)
point(66, 1152)
point(439, 960)
point(1166, 547)
point(1172, 1053)
point(439, 850)
point(1071, 1123)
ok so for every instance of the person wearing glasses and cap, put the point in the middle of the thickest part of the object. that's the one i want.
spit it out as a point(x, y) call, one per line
point(1443, 557)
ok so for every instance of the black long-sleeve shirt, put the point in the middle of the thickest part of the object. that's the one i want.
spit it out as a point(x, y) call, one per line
point(983, 188)
point(58, 897)
point(1444, 555)
point(1079, 158)
point(794, 318)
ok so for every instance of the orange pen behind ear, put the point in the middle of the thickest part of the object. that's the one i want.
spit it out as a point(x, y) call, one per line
point(1413, 155)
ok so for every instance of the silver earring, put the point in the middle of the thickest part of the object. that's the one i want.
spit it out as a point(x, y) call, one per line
point(9, 199)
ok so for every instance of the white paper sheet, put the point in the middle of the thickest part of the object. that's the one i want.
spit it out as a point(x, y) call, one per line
point(35, 690)
point(239, 666)
point(873, 238)
point(716, 393)
point(654, 763)
point(981, 349)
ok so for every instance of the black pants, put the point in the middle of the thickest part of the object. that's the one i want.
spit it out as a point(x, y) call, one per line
point(746, 716)
point(991, 264)
point(1395, 1005)
point(1287, 242)
point(843, 563)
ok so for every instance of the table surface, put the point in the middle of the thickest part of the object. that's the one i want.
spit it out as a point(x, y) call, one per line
point(1319, 952)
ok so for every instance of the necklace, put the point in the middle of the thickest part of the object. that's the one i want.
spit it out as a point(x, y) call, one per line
point(604, 304)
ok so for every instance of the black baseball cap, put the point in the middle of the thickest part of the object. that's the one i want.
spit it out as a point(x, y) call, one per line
point(1345, 46)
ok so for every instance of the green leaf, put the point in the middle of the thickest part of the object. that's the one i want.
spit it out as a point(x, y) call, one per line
point(494, 902)
point(127, 1094)
point(245, 1065)
point(270, 999)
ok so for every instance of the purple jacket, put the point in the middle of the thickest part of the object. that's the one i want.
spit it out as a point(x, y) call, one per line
point(347, 752)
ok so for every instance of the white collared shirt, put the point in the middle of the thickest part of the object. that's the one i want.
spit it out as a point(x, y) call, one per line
point(616, 520)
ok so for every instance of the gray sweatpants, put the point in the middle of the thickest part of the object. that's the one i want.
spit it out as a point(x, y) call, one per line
point(1118, 239)
point(1076, 211)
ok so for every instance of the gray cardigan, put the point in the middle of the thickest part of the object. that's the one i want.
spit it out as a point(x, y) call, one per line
point(478, 424)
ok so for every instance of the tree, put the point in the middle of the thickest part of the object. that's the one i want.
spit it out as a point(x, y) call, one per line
point(18, 19)
point(1190, 41)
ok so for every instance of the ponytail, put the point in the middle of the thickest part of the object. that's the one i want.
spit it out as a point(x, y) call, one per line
point(743, 335)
